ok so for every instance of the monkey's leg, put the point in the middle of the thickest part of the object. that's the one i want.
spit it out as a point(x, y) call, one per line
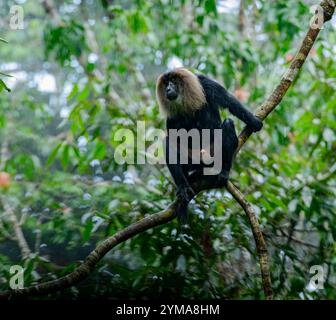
point(184, 192)
point(178, 171)
point(229, 146)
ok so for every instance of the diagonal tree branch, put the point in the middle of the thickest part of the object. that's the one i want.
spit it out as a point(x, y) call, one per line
point(279, 92)
point(168, 214)
point(263, 111)
point(258, 238)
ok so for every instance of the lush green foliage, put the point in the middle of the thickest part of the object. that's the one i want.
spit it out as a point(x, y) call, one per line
point(90, 70)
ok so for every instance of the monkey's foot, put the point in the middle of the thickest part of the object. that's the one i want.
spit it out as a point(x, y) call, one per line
point(223, 178)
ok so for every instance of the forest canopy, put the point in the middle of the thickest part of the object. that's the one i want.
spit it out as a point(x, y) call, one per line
point(78, 76)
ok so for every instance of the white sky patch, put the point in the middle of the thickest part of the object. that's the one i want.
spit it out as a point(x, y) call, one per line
point(8, 66)
point(65, 112)
point(93, 57)
point(74, 63)
point(333, 21)
point(227, 6)
point(94, 162)
point(45, 82)
point(18, 76)
point(69, 7)
point(82, 142)
point(67, 88)
point(174, 62)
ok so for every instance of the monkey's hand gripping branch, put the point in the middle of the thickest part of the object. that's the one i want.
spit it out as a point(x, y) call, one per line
point(82, 271)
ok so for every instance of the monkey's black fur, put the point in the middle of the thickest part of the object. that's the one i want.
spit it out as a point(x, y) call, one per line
point(207, 116)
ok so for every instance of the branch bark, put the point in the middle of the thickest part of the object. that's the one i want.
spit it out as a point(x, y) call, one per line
point(19, 236)
point(167, 215)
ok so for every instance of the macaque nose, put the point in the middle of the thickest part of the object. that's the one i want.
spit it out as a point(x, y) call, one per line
point(171, 94)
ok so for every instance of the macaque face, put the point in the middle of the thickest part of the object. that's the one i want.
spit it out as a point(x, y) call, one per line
point(171, 87)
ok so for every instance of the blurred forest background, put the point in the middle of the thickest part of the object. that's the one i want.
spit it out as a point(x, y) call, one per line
point(83, 69)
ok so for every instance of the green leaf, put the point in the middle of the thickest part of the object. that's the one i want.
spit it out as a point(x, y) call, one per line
point(53, 154)
point(83, 95)
point(76, 151)
point(87, 230)
point(73, 92)
point(90, 67)
point(3, 86)
point(65, 157)
point(137, 22)
point(100, 150)
point(3, 40)
point(2, 120)
point(116, 9)
point(210, 6)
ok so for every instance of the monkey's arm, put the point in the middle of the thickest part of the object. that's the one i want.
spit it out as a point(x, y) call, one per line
point(221, 97)
point(238, 110)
